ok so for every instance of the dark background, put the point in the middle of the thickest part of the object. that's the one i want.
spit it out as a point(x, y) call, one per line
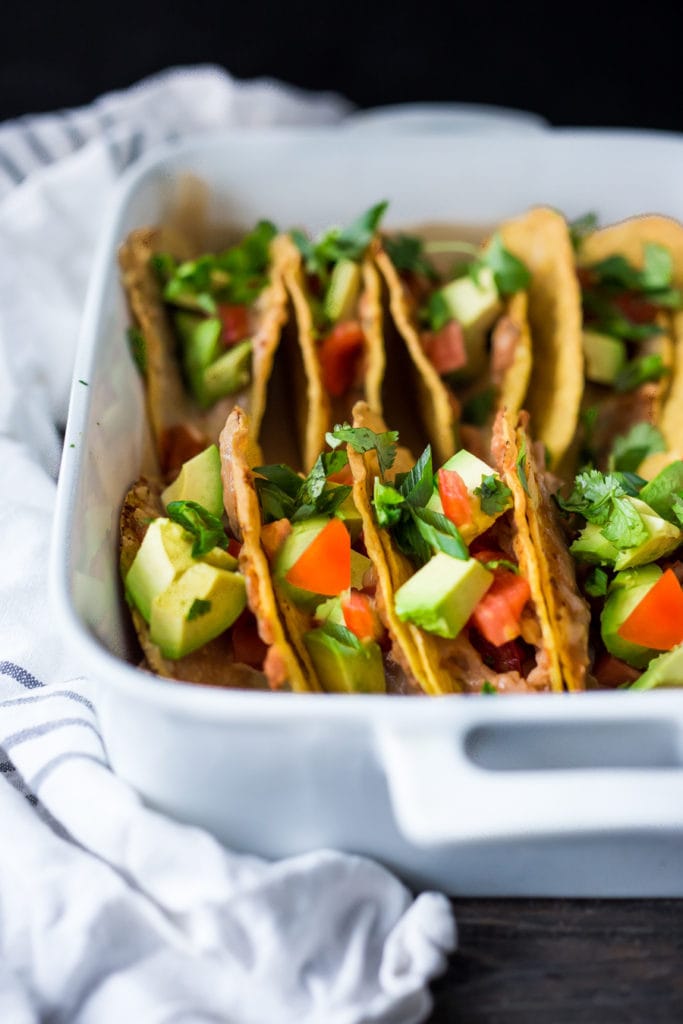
point(592, 64)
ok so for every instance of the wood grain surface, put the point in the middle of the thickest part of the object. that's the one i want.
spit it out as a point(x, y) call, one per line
point(561, 961)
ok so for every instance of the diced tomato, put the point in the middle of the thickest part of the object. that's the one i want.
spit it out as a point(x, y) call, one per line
point(235, 321)
point(325, 566)
point(455, 497)
point(507, 657)
point(360, 616)
point(586, 277)
point(611, 672)
point(273, 536)
point(234, 547)
point(339, 353)
point(247, 646)
point(344, 476)
point(498, 613)
point(446, 348)
point(489, 554)
point(180, 443)
point(635, 308)
point(657, 621)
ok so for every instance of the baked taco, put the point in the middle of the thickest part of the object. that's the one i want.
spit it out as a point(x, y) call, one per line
point(190, 600)
point(468, 562)
point(206, 331)
point(303, 538)
point(631, 277)
point(497, 331)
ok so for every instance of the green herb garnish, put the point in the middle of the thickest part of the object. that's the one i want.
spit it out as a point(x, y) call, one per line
point(207, 529)
point(509, 273)
point(639, 371)
point(488, 687)
point(629, 450)
point(407, 254)
point(338, 244)
point(363, 440)
point(198, 608)
point(596, 583)
point(581, 227)
point(138, 348)
point(521, 468)
point(283, 494)
point(493, 494)
point(477, 409)
point(601, 499)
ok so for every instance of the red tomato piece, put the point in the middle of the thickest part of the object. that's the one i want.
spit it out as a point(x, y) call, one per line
point(508, 657)
point(247, 646)
point(455, 497)
point(325, 566)
point(235, 321)
point(446, 348)
point(636, 308)
point(611, 672)
point(498, 613)
point(273, 536)
point(339, 353)
point(344, 476)
point(657, 622)
point(360, 616)
point(234, 547)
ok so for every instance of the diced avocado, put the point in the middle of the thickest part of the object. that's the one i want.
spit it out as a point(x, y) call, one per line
point(591, 546)
point(350, 516)
point(665, 670)
point(342, 668)
point(663, 537)
point(221, 559)
point(625, 593)
point(165, 553)
point(342, 292)
point(359, 566)
point(199, 480)
point(476, 306)
point(666, 489)
point(330, 611)
point(229, 373)
point(442, 595)
point(195, 608)
point(604, 356)
point(471, 469)
point(200, 337)
point(290, 551)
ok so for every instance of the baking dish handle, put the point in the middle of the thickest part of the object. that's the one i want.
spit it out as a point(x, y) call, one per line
point(440, 795)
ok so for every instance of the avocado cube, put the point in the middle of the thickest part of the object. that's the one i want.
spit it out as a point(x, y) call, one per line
point(592, 547)
point(330, 611)
point(663, 538)
point(346, 668)
point(604, 357)
point(359, 566)
point(342, 292)
point(626, 592)
point(199, 480)
point(475, 305)
point(197, 607)
point(664, 491)
point(200, 337)
point(221, 559)
point(665, 670)
point(442, 595)
point(471, 469)
point(165, 553)
point(229, 373)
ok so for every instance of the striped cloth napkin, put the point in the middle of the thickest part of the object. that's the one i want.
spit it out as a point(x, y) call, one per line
point(109, 911)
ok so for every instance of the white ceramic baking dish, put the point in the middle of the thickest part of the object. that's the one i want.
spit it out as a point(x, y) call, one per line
point(547, 795)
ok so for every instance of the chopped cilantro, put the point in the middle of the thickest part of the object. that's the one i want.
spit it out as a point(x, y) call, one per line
point(436, 313)
point(629, 450)
point(138, 348)
point(494, 496)
point(501, 563)
point(387, 502)
point(488, 688)
point(639, 371)
point(581, 227)
point(509, 273)
point(363, 440)
point(207, 529)
point(521, 467)
point(601, 499)
point(337, 244)
point(596, 583)
point(479, 407)
point(198, 608)
point(407, 253)
point(616, 271)
point(677, 509)
point(83, 382)
point(283, 494)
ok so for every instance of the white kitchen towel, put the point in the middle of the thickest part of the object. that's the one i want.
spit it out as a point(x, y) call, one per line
point(109, 911)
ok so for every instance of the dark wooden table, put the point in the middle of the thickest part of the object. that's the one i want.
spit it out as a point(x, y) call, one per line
point(561, 961)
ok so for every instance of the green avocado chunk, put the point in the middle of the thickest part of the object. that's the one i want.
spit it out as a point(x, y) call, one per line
point(346, 668)
point(211, 372)
point(665, 670)
point(199, 480)
point(442, 595)
point(197, 607)
point(165, 553)
point(472, 470)
point(229, 373)
point(604, 357)
point(342, 292)
point(626, 592)
point(330, 611)
point(476, 306)
point(664, 491)
point(662, 539)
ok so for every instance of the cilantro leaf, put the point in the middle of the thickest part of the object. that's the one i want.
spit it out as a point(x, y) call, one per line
point(677, 509)
point(631, 482)
point(601, 499)
point(363, 440)
point(198, 608)
point(282, 476)
point(283, 494)
point(417, 485)
point(501, 563)
point(638, 371)
point(439, 532)
point(138, 348)
point(207, 529)
point(629, 450)
point(477, 409)
point(407, 253)
point(488, 687)
point(520, 465)
point(510, 274)
point(337, 244)
point(436, 313)
point(581, 227)
point(609, 319)
point(388, 503)
point(596, 583)
point(493, 494)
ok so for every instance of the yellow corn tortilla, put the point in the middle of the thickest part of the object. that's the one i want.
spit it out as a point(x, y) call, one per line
point(171, 407)
point(288, 663)
point(541, 240)
point(210, 665)
point(515, 383)
point(628, 238)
